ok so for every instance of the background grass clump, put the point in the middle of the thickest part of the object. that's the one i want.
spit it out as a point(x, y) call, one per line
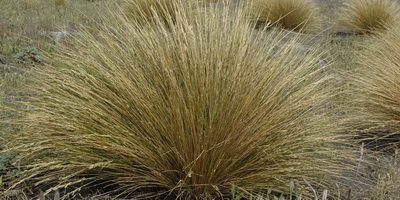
point(369, 16)
point(378, 89)
point(144, 11)
point(60, 2)
point(296, 15)
point(186, 110)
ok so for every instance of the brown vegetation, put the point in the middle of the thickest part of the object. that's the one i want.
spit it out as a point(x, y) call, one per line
point(369, 16)
point(188, 110)
point(378, 90)
point(145, 11)
point(60, 2)
point(296, 15)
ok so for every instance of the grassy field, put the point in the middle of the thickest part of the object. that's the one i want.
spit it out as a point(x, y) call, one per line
point(318, 137)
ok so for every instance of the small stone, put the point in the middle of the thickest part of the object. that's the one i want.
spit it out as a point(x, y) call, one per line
point(2, 59)
point(323, 63)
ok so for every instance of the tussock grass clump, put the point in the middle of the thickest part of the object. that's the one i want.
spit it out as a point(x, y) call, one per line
point(296, 15)
point(378, 86)
point(60, 2)
point(187, 111)
point(369, 16)
point(144, 11)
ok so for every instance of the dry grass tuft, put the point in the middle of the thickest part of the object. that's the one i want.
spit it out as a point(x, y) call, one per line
point(60, 2)
point(369, 16)
point(378, 87)
point(144, 11)
point(296, 15)
point(187, 111)
point(388, 176)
